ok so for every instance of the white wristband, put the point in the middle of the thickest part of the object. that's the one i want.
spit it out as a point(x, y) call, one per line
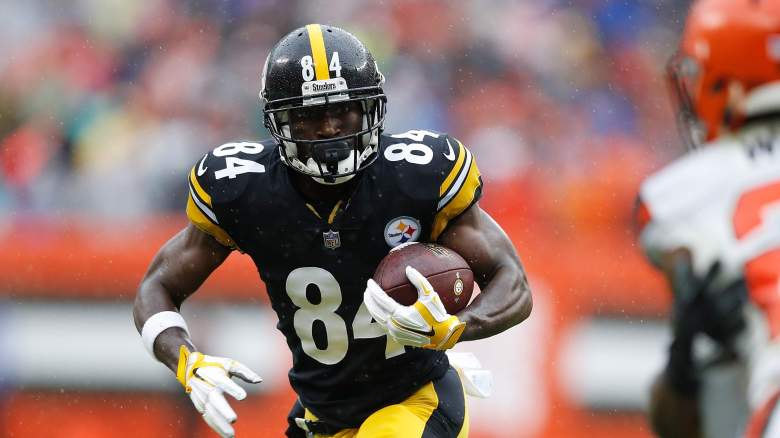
point(158, 323)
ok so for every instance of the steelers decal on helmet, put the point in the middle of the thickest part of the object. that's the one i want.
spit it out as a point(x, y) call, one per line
point(315, 69)
point(402, 229)
point(458, 191)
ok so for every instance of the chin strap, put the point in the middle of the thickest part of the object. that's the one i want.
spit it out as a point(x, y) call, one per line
point(329, 181)
point(317, 166)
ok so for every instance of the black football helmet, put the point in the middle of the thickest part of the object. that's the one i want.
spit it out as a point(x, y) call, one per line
point(316, 66)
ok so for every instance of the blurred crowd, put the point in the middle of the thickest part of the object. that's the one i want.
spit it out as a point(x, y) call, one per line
point(106, 104)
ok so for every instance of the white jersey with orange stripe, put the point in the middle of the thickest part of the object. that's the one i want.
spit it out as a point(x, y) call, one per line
point(721, 202)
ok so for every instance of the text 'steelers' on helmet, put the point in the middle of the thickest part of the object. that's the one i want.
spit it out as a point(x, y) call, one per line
point(314, 67)
point(728, 66)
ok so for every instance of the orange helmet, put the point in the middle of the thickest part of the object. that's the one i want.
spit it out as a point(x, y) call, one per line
point(728, 48)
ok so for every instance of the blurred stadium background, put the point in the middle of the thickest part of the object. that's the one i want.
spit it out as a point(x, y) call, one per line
point(106, 104)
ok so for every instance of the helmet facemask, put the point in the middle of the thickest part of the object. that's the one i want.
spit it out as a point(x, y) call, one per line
point(330, 160)
point(683, 74)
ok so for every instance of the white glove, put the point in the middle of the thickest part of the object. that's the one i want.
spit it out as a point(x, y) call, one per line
point(424, 324)
point(206, 378)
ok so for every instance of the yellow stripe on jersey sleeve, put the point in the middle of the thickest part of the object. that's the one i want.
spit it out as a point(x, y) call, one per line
point(459, 197)
point(200, 213)
point(205, 197)
point(200, 220)
point(455, 169)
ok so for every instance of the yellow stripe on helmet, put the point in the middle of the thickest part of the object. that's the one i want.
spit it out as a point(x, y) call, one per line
point(318, 54)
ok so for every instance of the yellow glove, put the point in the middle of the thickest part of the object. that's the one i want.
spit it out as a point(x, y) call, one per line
point(206, 378)
point(424, 324)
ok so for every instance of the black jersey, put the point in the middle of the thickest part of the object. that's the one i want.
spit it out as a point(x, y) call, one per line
point(315, 265)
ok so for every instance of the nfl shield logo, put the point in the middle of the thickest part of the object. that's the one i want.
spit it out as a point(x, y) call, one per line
point(331, 239)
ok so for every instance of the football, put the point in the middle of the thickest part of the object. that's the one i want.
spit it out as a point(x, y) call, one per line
point(448, 273)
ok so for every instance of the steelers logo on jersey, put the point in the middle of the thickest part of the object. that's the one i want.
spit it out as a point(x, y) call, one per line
point(402, 229)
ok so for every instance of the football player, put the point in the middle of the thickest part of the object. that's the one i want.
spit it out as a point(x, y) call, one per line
point(317, 207)
point(709, 221)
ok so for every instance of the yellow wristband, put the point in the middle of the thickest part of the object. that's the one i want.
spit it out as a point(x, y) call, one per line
point(446, 333)
point(455, 329)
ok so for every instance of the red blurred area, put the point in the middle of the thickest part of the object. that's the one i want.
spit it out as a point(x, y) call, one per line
point(96, 415)
point(23, 155)
point(84, 258)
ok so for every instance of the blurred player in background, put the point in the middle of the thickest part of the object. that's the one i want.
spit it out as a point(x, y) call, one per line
point(317, 207)
point(711, 222)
